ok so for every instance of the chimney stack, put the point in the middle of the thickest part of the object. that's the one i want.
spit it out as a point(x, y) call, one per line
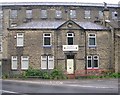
point(105, 13)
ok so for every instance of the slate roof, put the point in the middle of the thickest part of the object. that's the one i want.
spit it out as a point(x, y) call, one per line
point(115, 24)
point(41, 25)
point(56, 4)
point(90, 25)
point(57, 24)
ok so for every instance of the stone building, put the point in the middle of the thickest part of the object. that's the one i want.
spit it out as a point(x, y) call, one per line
point(78, 38)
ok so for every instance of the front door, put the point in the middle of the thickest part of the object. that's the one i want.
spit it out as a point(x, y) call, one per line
point(70, 64)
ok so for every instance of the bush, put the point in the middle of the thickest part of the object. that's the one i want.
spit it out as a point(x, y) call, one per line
point(33, 72)
point(46, 75)
point(57, 74)
point(5, 76)
point(53, 74)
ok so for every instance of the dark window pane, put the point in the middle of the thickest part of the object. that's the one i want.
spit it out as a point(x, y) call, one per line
point(47, 41)
point(95, 64)
point(92, 41)
point(70, 34)
point(89, 64)
point(70, 40)
point(47, 34)
point(115, 14)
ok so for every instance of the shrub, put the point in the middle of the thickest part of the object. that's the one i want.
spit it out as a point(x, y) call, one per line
point(54, 74)
point(5, 76)
point(57, 74)
point(33, 72)
point(46, 75)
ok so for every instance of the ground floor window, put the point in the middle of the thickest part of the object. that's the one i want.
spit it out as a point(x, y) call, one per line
point(47, 62)
point(14, 62)
point(24, 62)
point(92, 62)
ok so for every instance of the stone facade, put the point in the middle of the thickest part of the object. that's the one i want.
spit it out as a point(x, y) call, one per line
point(33, 29)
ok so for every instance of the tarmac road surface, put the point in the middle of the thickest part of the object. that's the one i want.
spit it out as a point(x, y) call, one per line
point(64, 86)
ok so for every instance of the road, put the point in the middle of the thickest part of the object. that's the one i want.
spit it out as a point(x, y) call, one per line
point(67, 86)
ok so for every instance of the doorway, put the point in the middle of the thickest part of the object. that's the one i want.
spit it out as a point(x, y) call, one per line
point(70, 64)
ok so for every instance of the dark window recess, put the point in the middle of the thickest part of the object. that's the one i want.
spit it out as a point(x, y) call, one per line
point(47, 34)
point(70, 40)
point(47, 41)
point(89, 64)
point(92, 41)
point(95, 64)
point(115, 14)
point(70, 56)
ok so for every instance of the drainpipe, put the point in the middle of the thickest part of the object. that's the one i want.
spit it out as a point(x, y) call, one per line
point(112, 54)
point(85, 53)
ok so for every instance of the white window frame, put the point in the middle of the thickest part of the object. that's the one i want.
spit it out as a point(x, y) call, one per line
point(20, 37)
point(100, 15)
point(43, 14)
point(24, 58)
point(29, 14)
point(44, 36)
point(14, 62)
point(44, 64)
point(87, 62)
point(89, 36)
point(72, 13)
point(50, 65)
point(87, 14)
point(113, 15)
point(70, 37)
point(13, 14)
point(58, 14)
point(92, 61)
point(97, 60)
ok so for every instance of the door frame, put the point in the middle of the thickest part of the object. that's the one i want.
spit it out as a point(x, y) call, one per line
point(72, 57)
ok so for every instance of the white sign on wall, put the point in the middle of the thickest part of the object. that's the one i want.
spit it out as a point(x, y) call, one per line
point(70, 47)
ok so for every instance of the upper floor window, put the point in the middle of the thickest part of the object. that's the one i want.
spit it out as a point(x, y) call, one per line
point(14, 62)
point(100, 15)
point(58, 14)
point(87, 14)
point(43, 14)
point(47, 62)
point(70, 38)
point(24, 62)
point(20, 38)
point(46, 39)
point(72, 13)
point(92, 40)
point(28, 14)
point(114, 15)
point(92, 62)
point(13, 14)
